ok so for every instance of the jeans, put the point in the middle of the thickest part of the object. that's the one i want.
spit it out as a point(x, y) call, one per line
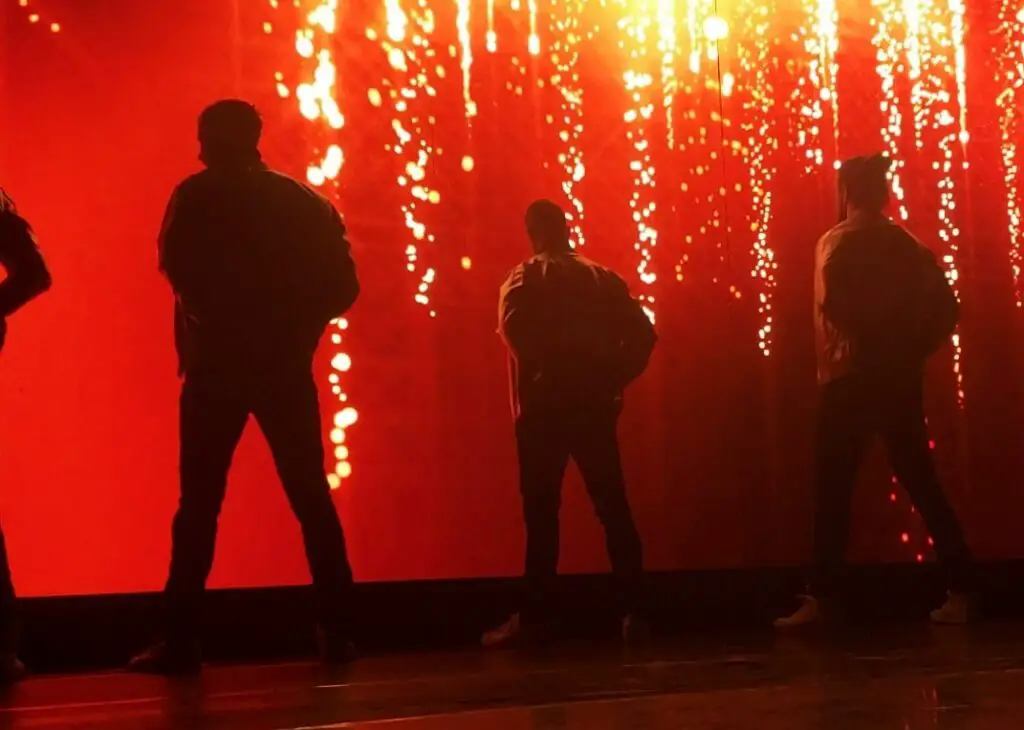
point(214, 412)
point(854, 409)
point(546, 438)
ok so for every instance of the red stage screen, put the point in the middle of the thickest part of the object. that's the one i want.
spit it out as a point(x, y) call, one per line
point(694, 142)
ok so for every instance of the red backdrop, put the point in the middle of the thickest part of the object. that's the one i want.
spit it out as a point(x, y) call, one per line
point(96, 127)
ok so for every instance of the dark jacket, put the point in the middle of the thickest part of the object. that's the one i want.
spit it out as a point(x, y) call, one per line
point(27, 275)
point(882, 301)
point(573, 332)
point(259, 264)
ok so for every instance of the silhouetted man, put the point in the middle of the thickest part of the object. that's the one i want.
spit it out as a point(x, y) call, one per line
point(27, 277)
point(259, 264)
point(576, 339)
point(882, 307)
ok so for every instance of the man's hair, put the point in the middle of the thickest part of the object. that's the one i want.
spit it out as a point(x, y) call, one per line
point(545, 218)
point(865, 181)
point(230, 128)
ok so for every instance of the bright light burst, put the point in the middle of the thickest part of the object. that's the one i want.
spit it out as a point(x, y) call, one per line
point(408, 44)
point(636, 34)
point(1011, 102)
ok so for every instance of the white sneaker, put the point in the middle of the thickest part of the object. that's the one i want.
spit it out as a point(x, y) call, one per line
point(956, 611)
point(808, 613)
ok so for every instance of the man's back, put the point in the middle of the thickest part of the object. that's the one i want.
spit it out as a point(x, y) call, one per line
point(250, 254)
point(572, 328)
point(876, 292)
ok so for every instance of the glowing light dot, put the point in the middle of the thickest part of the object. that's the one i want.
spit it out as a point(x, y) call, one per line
point(716, 29)
point(341, 453)
point(374, 97)
point(337, 436)
point(346, 417)
point(333, 481)
point(467, 263)
point(344, 470)
point(468, 163)
point(904, 538)
point(341, 362)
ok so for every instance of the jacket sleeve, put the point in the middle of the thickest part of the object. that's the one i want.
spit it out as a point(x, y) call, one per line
point(338, 252)
point(637, 334)
point(174, 241)
point(841, 297)
point(27, 274)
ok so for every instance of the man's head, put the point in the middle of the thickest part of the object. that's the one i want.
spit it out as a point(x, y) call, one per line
point(229, 134)
point(547, 227)
point(864, 184)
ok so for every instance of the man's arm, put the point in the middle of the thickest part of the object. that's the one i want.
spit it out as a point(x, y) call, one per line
point(637, 333)
point(338, 250)
point(840, 304)
point(170, 246)
point(27, 275)
point(516, 315)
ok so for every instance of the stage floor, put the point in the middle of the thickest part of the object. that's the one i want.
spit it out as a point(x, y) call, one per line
point(902, 678)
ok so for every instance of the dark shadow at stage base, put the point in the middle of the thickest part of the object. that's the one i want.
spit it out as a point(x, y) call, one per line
point(75, 634)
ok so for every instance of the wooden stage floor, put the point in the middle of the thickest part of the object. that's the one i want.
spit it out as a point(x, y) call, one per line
point(898, 678)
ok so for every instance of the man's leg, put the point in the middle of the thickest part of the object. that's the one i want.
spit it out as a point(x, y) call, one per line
point(11, 669)
point(595, 448)
point(288, 412)
point(906, 438)
point(8, 605)
point(212, 420)
point(543, 455)
point(842, 436)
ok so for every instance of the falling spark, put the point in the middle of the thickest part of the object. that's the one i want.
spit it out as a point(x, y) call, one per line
point(466, 63)
point(635, 28)
point(317, 98)
point(1011, 97)
point(755, 59)
point(567, 35)
point(408, 46)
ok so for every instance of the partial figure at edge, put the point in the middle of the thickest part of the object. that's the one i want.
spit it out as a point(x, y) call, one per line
point(576, 340)
point(883, 306)
point(260, 265)
point(27, 277)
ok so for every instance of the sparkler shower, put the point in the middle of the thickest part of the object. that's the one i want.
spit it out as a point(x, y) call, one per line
point(694, 145)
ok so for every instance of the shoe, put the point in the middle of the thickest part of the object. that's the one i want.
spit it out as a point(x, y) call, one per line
point(336, 649)
point(809, 613)
point(635, 630)
point(11, 669)
point(168, 659)
point(956, 611)
point(515, 634)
